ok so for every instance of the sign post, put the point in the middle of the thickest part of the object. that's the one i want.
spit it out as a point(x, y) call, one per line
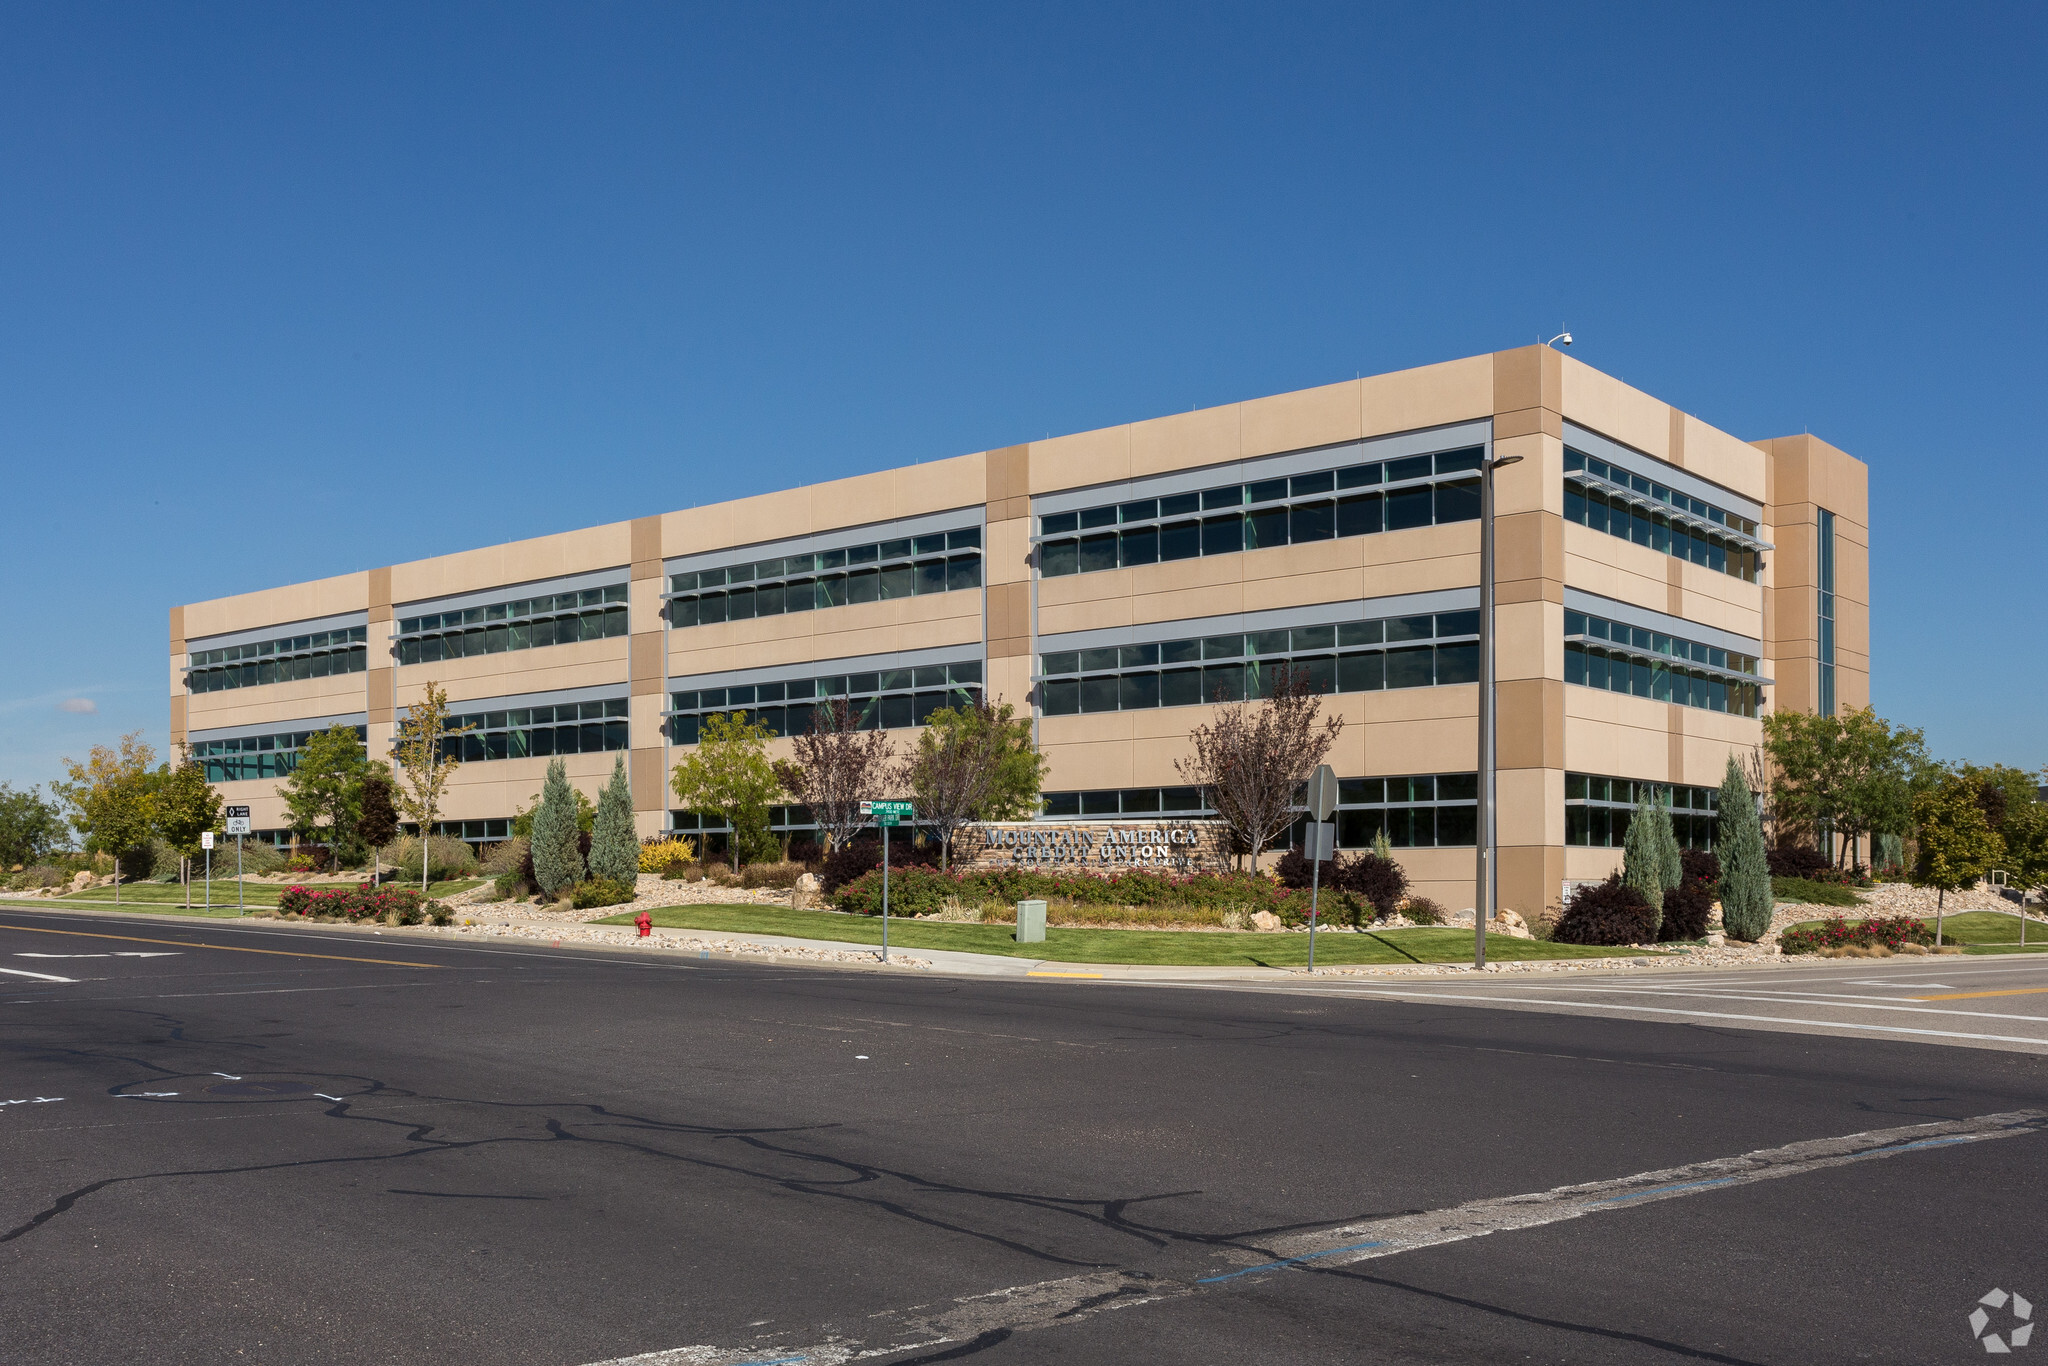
point(206, 843)
point(238, 826)
point(887, 815)
point(1321, 841)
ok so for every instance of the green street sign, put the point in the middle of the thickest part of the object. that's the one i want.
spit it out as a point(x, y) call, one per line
point(887, 808)
point(888, 818)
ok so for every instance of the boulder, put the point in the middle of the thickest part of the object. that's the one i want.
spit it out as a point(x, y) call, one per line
point(1717, 941)
point(1265, 921)
point(81, 880)
point(808, 882)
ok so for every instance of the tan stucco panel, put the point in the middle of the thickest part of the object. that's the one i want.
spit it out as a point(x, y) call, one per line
point(1207, 436)
point(1007, 556)
point(647, 770)
point(506, 566)
point(277, 606)
point(1080, 460)
point(1426, 396)
point(1296, 421)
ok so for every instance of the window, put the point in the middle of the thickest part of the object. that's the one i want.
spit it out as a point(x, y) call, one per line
point(521, 624)
point(910, 566)
point(1611, 499)
point(319, 654)
point(1438, 810)
point(1620, 658)
point(1827, 613)
point(885, 699)
point(1597, 811)
point(1352, 656)
point(472, 832)
point(1358, 500)
point(537, 732)
point(255, 756)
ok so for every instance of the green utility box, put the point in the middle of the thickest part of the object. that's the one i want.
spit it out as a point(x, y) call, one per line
point(1031, 922)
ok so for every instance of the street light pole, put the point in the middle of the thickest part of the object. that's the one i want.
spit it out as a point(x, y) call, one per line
point(1488, 887)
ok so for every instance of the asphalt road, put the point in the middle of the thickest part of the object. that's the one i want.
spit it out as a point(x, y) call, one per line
point(276, 1144)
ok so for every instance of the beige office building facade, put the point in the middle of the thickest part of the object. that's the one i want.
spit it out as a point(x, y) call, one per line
point(1661, 584)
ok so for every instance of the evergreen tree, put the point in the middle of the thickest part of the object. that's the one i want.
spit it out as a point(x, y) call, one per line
point(1642, 860)
point(614, 853)
point(557, 862)
point(1746, 900)
point(1670, 862)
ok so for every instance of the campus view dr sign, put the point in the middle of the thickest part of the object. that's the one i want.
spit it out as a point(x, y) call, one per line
point(1097, 846)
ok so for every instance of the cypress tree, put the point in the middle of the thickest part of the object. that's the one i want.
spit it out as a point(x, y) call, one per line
point(614, 853)
point(557, 862)
point(1642, 860)
point(1746, 900)
point(1670, 863)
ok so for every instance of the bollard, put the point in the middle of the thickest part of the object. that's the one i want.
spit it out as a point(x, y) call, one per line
point(1031, 922)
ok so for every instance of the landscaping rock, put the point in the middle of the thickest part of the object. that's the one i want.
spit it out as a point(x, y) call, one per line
point(1265, 922)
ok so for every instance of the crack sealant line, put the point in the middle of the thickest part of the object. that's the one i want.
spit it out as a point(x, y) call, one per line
point(1049, 1304)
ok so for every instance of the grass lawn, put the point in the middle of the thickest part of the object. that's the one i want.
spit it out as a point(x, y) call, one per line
point(1982, 932)
point(1078, 945)
point(1805, 892)
point(169, 896)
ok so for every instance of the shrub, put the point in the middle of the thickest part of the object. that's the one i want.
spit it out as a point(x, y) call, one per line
point(850, 861)
point(920, 889)
point(682, 872)
point(42, 875)
point(1813, 893)
point(1889, 932)
point(1689, 905)
point(557, 860)
point(1423, 911)
point(1798, 860)
point(506, 856)
point(359, 904)
point(1368, 877)
point(778, 875)
point(438, 912)
point(658, 855)
point(601, 891)
point(449, 858)
point(1610, 912)
point(1642, 854)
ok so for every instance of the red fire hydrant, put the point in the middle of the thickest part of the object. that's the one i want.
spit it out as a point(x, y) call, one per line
point(646, 924)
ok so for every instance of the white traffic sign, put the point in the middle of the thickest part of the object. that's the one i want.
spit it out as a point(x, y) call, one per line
point(238, 825)
point(1322, 792)
point(206, 840)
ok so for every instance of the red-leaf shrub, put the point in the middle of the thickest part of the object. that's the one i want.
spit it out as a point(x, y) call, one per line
point(1890, 931)
point(401, 905)
point(921, 890)
point(1609, 912)
point(1688, 906)
point(1378, 881)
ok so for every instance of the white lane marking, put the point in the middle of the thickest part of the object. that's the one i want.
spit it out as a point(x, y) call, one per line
point(143, 1095)
point(39, 976)
point(1047, 1304)
point(322, 1095)
point(229, 1075)
point(33, 1100)
point(97, 955)
point(1844, 1002)
point(1415, 998)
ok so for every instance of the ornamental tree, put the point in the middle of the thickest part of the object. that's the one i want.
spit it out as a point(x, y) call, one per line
point(1956, 842)
point(106, 797)
point(837, 767)
point(556, 850)
point(425, 764)
point(1746, 898)
point(1254, 756)
point(614, 852)
point(183, 807)
point(975, 762)
point(325, 790)
point(31, 826)
point(729, 776)
point(1642, 860)
point(377, 818)
point(1852, 774)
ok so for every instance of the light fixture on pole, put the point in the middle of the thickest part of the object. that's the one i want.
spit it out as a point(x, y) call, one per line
point(1488, 881)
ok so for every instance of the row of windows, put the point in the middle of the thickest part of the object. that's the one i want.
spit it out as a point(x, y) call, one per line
point(1417, 812)
point(548, 605)
point(531, 634)
point(1306, 507)
point(1597, 811)
point(818, 562)
point(1636, 509)
point(1136, 685)
point(893, 711)
point(472, 832)
point(1660, 667)
point(283, 645)
point(1658, 681)
point(827, 590)
point(349, 659)
point(256, 756)
point(538, 732)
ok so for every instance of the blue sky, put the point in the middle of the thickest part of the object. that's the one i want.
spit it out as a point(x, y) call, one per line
point(294, 291)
